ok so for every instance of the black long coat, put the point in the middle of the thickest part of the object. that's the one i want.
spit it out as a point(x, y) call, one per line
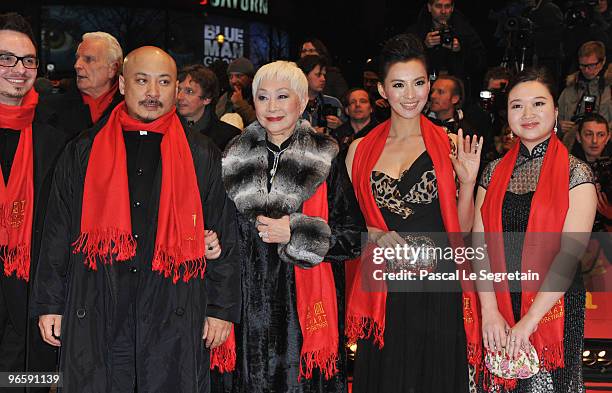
point(48, 143)
point(169, 352)
point(269, 338)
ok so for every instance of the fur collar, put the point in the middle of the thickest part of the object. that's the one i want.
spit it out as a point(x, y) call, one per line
point(302, 168)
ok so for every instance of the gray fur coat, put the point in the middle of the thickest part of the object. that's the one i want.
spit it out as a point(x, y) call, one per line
point(302, 168)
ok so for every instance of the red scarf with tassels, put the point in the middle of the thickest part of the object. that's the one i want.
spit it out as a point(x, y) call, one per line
point(17, 197)
point(316, 306)
point(106, 228)
point(365, 314)
point(97, 106)
point(542, 242)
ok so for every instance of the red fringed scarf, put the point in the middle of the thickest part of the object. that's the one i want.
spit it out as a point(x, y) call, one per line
point(223, 358)
point(17, 197)
point(365, 314)
point(97, 106)
point(106, 228)
point(316, 306)
point(546, 218)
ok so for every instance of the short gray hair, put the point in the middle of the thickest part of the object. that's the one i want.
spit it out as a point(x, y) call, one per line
point(115, 53)
point(283, 71)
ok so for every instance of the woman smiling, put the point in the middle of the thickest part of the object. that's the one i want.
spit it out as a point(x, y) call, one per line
point(296, 212)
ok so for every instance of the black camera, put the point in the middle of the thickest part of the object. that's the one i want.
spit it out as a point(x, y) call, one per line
point(487, 100)
point(579, 13)
point(520, 30)
point(446, 36)
point(588, 103)
point(602, 168)
point(330, 110)
point(493, 100)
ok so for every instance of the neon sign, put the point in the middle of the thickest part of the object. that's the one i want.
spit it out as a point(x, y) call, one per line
point(254, 6)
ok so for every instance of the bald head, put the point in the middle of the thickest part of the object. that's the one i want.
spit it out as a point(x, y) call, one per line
point(148, 55)
point(149, 83)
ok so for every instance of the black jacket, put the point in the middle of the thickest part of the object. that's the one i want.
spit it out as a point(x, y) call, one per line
point(269, 338)
point(68, 111)
point(209, 124)
point(48, 143)
point(169, 351)
point(345, 134)
point(335, 84)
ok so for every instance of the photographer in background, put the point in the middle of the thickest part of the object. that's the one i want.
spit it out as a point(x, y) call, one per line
point(493, 97)
point(335, 84)
point(606, 15)
point(445, 102)
point(452, 46)
point(593, 146)
point(548, 28)
point(588, 90)
point(531, 33)
point(447, 108)
point(323, 112)
point(382, 110)
point(492, 103)
point(358, 107)
point(583, 23)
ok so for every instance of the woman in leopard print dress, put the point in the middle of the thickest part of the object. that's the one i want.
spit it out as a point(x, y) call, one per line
point(403, 169)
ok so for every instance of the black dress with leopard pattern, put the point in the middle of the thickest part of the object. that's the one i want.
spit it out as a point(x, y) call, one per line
point(425, 344)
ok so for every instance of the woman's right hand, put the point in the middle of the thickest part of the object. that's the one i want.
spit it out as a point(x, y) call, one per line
point(494, 329)
point(274, 230)
point(385, 239)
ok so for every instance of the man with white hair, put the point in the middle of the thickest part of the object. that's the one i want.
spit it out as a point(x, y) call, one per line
point(96, 92)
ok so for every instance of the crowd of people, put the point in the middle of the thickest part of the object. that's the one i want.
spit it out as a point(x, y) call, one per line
point(161, 232)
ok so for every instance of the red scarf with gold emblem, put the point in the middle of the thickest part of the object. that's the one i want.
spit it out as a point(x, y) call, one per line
point(316, 306)
point(17, 196)
point(106, 228)
point(365, 316)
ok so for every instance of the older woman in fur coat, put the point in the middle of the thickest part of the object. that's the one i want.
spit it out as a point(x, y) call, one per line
point(298, 221)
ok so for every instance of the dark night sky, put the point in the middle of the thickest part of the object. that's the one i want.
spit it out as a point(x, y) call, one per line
point(355, 30)
point(352, 30)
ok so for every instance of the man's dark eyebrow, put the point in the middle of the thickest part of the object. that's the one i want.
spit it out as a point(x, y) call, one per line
point(8, 52)
point(161, 76)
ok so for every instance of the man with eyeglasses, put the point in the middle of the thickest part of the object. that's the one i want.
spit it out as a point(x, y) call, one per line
point(95, 92)
point(588, 89)
point(198, 90)
point(28, 150)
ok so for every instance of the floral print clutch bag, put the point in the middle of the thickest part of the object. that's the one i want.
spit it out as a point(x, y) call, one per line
point(526, 366)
